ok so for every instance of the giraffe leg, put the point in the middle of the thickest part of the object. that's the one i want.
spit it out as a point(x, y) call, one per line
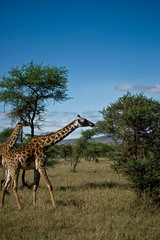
point(5, 185)
point(15, 184)
point(23, 179)
point(43, 173)
point(2, 182)
point(5, 171)
point(36, 183)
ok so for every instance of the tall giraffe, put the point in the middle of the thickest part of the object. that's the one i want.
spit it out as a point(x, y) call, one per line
point(32, 156)
point(11, 141)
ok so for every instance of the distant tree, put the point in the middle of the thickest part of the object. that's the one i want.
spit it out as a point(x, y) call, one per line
point(27, 90)
point(5, 134)
point(52, 154)
point(81, 146)
point(91, 152)
point(102, 149)
point(65, 151)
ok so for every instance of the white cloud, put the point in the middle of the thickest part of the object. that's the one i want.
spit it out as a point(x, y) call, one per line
point(2, 116)
point(71, 115)
point(64, 114)
point(55, 123)
point(4, 122)
point(152, 89)
point(55, 113)
point(91, 115)
point(148, 89)
point(5, 125)
point(125, 87)
point(67, 114)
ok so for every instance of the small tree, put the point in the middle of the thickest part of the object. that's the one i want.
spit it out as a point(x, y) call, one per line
point(81, 145)
point(27, 90)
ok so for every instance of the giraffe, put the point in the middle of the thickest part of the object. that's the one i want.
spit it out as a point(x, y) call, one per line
point(32, 156)
point(11, 141)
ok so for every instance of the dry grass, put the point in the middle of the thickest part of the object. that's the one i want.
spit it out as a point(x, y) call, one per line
point(93, 203)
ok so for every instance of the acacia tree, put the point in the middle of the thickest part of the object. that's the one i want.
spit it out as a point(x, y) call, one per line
point(27, 90)
point(136, 120)
point(81, 145)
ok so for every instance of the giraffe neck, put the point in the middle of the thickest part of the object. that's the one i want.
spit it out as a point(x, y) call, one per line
point(56, 137)
point(11, 141)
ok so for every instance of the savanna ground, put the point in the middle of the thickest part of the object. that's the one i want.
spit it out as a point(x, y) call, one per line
point(93, 203)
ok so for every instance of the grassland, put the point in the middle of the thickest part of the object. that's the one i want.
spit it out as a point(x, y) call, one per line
point(93, 203)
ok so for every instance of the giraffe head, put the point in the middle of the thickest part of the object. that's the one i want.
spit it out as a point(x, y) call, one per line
point(83, 122)
point(23, 122)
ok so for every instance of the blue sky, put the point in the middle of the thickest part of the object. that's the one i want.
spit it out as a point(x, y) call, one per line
point(108, 47)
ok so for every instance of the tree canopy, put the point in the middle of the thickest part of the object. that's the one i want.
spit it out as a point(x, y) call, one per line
point(135, 119)
point(28, 88)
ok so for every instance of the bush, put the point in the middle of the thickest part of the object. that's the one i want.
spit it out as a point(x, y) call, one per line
point(52, 155)
point(143, 172)
point(51, 162)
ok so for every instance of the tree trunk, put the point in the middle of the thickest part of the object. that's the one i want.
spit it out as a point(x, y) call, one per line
point(21, 134)
point(32, 130)
point(75, 165)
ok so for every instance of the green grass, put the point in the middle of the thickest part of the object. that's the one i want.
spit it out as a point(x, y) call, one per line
point(93, 203)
